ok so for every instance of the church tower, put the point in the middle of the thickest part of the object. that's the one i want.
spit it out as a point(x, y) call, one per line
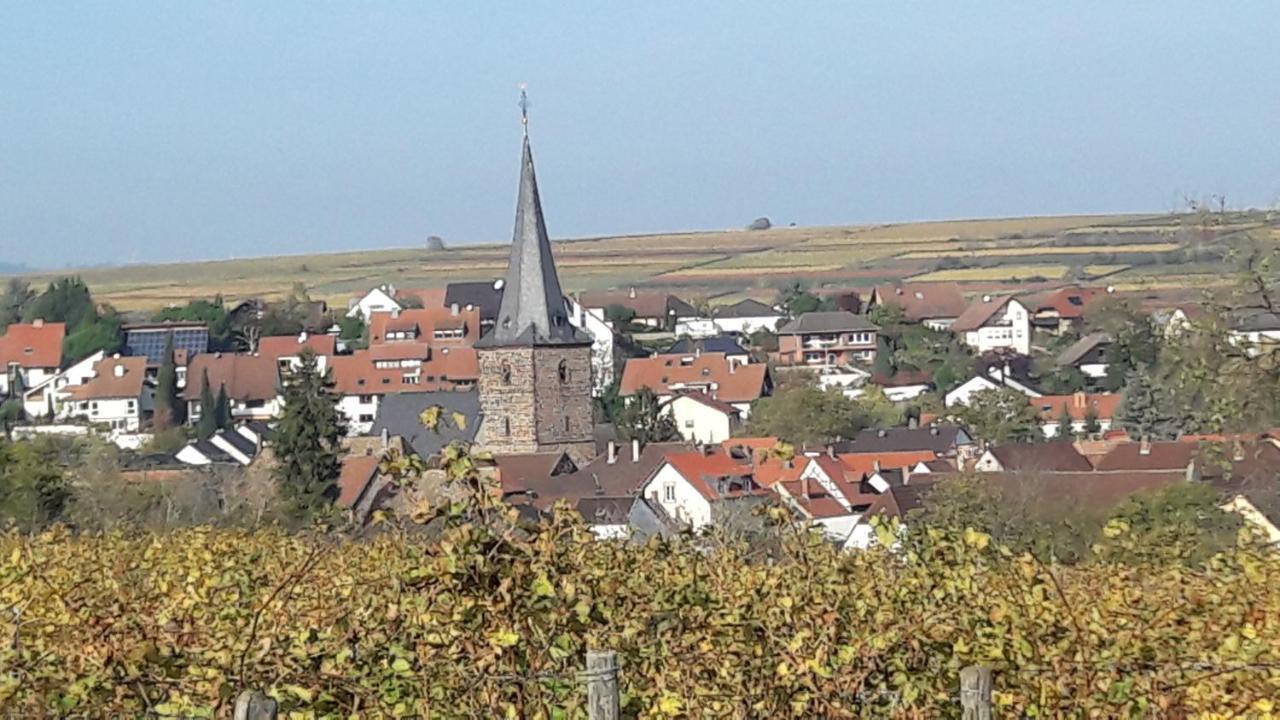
point(535, 367)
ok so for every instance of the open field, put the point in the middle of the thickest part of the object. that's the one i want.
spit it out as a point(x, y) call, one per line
point(1141, 253)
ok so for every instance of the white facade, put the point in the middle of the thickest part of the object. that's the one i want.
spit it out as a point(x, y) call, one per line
point(378, 299)
point(1050, 429)
point(847, 378)
point(696, 328)
point(961, 394)
point(699, 422)
point(594, 324)
point(678, 497)
point(31, 377)
point(117, 413)
point(1009, 328)
point(360, 412)
point(47, 399)
point(747, 325)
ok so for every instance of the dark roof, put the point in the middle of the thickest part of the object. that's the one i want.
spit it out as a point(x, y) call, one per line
point(259, 428)
point(719, 344)
point(1052, 456)
point(482, 295)
point(827, 321)
point(533, 310)
point(746, 309)
point(1020, 368)
point(977, 314)
point(923, 300)
point(680, 308)
point(1255, 320)
point(599, 477)
point(1252, 470)
point(599, 510)
point(1082, 347)
point(1158, 456)
point(523, 473)
point(149, 461)
point(150, 339)
point(239, 442)
point(213, 452)
point(938, 438)
point(400, 414)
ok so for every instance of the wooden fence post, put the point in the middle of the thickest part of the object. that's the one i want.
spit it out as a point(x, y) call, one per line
point(603, 701)
point(975, 692)
point(253, 705)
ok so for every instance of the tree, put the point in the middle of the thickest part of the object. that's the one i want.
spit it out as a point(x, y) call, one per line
point(168, 408)
point(1000, 416)
point(222, 409)
point(351, 330)
point(1065, 422)
point(67, 300)
point(620, 316)
point(308, 440)
point(795, 300)
point(17, 295)
point(803, 414)
point(1091, 424)
point(1143, 413)
point(213, 313)
point(33, 487)
point(208, 423)
point(875, 409)
point(1180, 523)
point(642, 417)
point(883, 365)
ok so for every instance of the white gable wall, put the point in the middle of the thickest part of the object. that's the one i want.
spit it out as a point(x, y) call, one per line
point(678, 497)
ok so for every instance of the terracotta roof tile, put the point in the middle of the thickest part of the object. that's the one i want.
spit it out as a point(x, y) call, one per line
point(427, 320)
point(667, 374)
point(701, 469)
point(357, 471)
point(278, 346)
point(979, 313)
point(1055, 456)
point(356, 374)
point(923, 301)
point(1050, 407)
point(32, 345)
point(246, 377)
point(114, 378)
point(866, 462)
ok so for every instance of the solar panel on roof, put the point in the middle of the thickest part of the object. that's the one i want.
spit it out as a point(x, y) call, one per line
point(151, 342)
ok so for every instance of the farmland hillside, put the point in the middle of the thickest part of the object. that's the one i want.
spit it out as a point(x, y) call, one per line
point(1143, 253)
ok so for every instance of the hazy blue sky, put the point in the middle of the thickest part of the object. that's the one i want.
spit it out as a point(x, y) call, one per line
point(135, 131)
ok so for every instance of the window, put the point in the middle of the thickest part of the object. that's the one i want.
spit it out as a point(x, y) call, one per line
point(563, 371)
point(366, 417)
point(133, 405)
point(688, 424)
point(669, 492)
point(366, 399)
point(409, 379)
point(506, 426)
point(566, 423)
point(506, 374)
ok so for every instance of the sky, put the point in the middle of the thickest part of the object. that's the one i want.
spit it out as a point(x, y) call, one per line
point(153, 131)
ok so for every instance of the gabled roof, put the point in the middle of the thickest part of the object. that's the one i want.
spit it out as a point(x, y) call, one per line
point(828, 321)
point(1053, 491)
point(980, 313)
point(1055, 456)
point(356, 374)
point(400, 414)
point(717, 344)
point(644, 303)
point(246, 377)
point(278, 346)
point(623, 477)
point(32, 345)
point(485, 296)
point(533, 310)
point(1130, 456)
point(747, 308)
point(426, 321)
point(923, 300)
point(114, 378)
point(866, 462)
point(1255, 320)
point(238, 441)
point(1068, 302)
point(597, 510)
point(939, 439)
point(1050, 407)
point(523, 471)
point(1082, 347)
point(703, 468)
point(357, 472)
point(734, 382)
point(704, 399)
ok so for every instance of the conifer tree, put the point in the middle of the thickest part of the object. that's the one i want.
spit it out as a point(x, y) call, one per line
point(1142, 413)
point(208, 410)
point(168, 412)
point(222, 409)
point(308, 440)
point(643, 418)
point(1065, 423)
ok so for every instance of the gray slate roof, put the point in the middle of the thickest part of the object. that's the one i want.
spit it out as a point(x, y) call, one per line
point(1255, 320)
point(399, 413)
point(1082, 347)
point(481, 295)
point(533, 310)
point(717, 344)
point(828, 321)
point(938, 438)
point(746, 309)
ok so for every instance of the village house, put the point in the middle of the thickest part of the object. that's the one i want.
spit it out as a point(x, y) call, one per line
point(116, 396)
point(726, 344)
point(252, 384)
point(713, 374)
point(30, 353)
point(836, 337)
point(746, 317)
point(430, 325)
point(150, 340)
point(1062, 310)
point(942, 440)
point(286, 350)
point(934, 305)
point(1255, 329)
point(995, 323)
point(654, 310)
point(1085, 409)
point(995, 371)
point(1055, 456)
point(702, 419)
point(903, 385)
point(1088, 355)
point(48, 399)
point(485, 296)
point(701, 487)
point(602, 344)
point(363, 378)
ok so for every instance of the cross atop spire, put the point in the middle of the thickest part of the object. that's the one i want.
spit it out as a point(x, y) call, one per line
point(533, 309)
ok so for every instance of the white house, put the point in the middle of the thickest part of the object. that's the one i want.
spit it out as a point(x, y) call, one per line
point(48, 398)
point(995, 323)
point(747, 316)
point(703, 419)
point(848, 379)
point(697, 486)
point(379, 299)
point(602, 343)
point(1088, 355)
point(30, 353)
point(696, 327)
point(997, 376)
point(116, 396)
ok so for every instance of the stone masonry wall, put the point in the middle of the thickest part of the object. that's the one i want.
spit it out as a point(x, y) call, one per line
point(535, 402)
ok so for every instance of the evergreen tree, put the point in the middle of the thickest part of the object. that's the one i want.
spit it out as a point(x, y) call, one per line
point(1065, 423)
point(13, 303)
point(1091, 424)
point(308, 440)
point(168, 412)
point(1142, 412)
point(208, 423)
point(643, 418)
point(1000, 416)
point(222, 409)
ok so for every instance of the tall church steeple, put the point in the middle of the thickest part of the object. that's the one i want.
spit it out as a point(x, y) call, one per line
point(533, 309)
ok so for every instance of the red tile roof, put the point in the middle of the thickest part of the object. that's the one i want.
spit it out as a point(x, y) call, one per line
point(711, 402)
point(1050, 407)
point(278, 346)
point(426, 320)
point(742, 383)
point(356, 374)
point(32, 345)
point(114, 378)
point(246, 377)
point(700, 468)
point(923, 300)
point(1158, 456)
point(1068, 302)
point(1056, 456)
point(979, 313)
point(866, 462)
point(357, 471)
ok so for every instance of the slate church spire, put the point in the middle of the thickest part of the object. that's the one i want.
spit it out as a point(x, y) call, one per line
point(533, 309)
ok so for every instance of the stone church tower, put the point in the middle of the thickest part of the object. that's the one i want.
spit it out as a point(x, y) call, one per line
point(535, 368)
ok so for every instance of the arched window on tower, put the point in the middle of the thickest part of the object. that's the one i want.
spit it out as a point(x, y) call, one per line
point(566, 423)
point(564, 371)
point(506, 426)
point(506, 374)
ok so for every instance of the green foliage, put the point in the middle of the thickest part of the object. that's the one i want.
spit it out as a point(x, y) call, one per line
point(1134, 340)
point(795, 300)
point(212, 313)
point(33, 487)
point(308, 440)
point(643, 418)
point(805, 415)
point(351, 330)
point(89, 329)
point(222, 409)
point(887, 317)
point(1143, 411)
point(1180, 523)
point(1000, 416)
point(208, 422)
point(620, 316)
point(875, 409)
point(170, 411)
point(13, 304)
point(764, 340)
point(1065, 422)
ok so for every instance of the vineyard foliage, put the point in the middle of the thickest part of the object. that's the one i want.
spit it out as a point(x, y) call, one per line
point(475, 622)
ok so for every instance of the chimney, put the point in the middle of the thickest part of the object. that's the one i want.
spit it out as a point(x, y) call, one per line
point(613, 452)
point(875, 466)
point(595, 480)
point(831, 451)
point(635, 450)
point(118, 370)
point(1237, 452)
point(1144, 447)
point(986, 298)
point(1078, 398)
point(395, 312)
point(38, 322)
point(453, 309)
point(881, 432)
point(933, 430)
point(804, 486)
point(386, 438)
point(302, 337)
point(632, 293)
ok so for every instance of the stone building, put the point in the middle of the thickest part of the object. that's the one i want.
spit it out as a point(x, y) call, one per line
point(535, 366)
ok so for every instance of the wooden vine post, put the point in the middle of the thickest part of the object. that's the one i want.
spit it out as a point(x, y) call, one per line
point(975, 692)
point(603, 700)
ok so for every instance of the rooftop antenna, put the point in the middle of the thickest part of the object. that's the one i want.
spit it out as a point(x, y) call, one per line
point(524, 107)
